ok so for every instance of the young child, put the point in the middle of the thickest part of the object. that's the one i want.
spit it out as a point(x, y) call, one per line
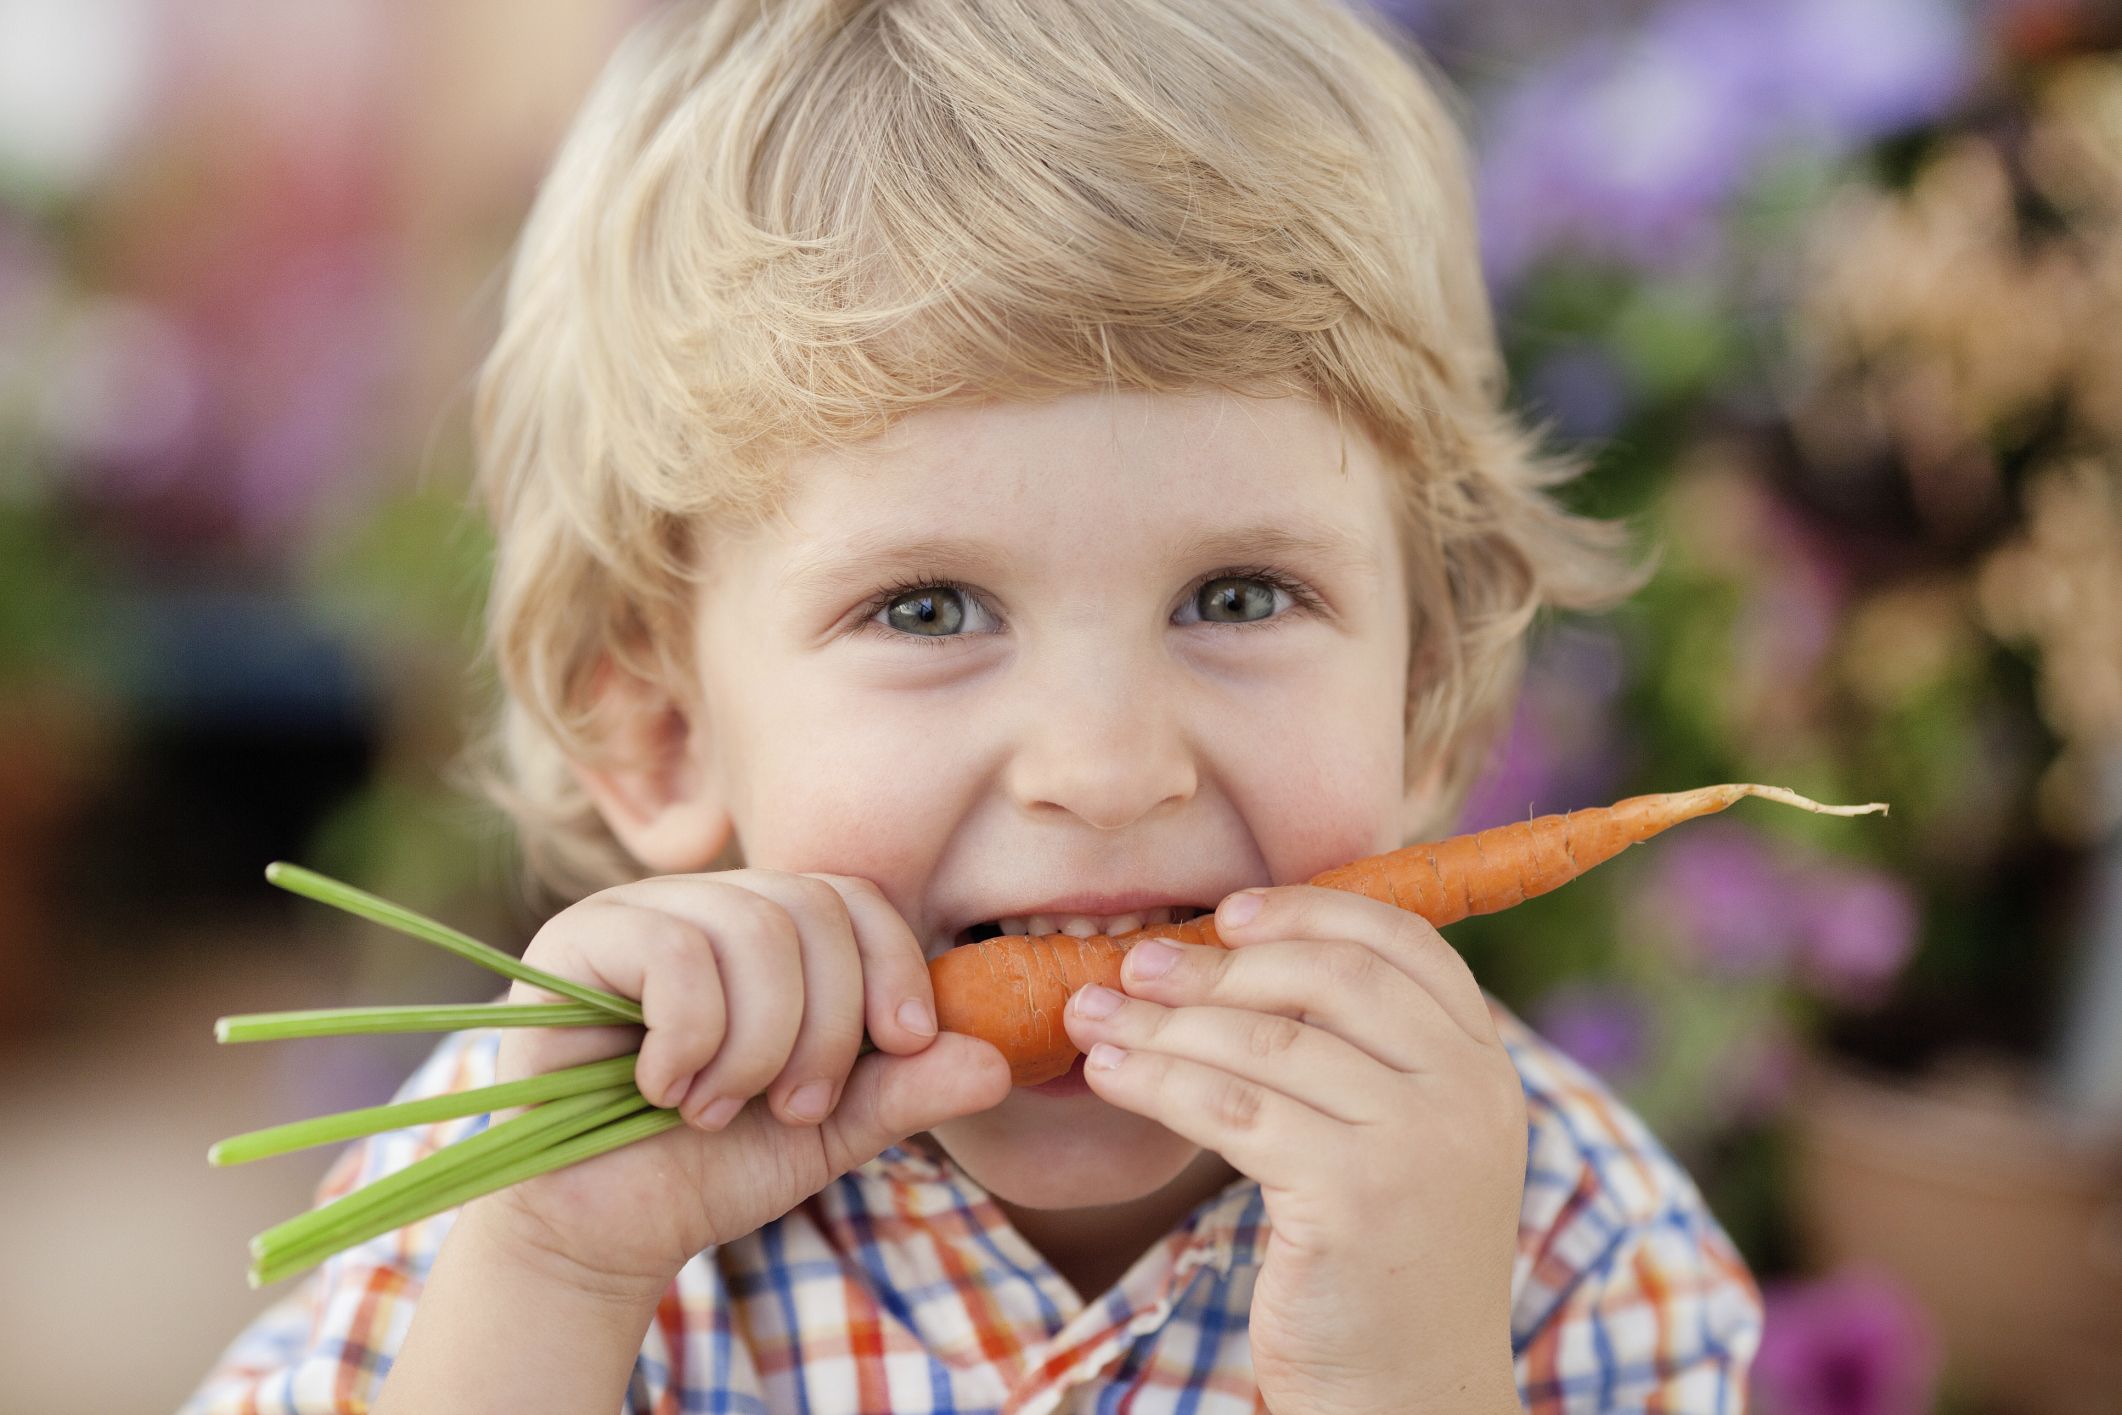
point(1037, 464)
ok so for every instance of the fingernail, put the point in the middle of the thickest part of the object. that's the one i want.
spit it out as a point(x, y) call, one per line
point(916, 1018)
point(1244, 907)
point(717, 1114)
point(675, 1092)
point(1151, 958)
point(811, 1100)
point(1094, 1001)
point(1104, 1057)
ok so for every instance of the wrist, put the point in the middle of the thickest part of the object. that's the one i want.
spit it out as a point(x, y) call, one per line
point(501, 1238)
point(503, 1327)
point(1489, 1391)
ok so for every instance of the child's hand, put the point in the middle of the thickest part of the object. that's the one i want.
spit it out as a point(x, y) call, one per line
point(750, 982)
point(1339, 1052)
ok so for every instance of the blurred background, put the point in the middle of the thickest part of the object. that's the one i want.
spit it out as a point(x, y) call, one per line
point(1832, 290)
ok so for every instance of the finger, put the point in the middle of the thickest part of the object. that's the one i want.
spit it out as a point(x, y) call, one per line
point(891, 1097)
point(1335, 985)
point(894, 969)
point(1402, 937)
point(1272, 1138)
point(1307, 1064)
point(665, 962)
point(830, 1036)
point(758, 956)
point(534, 1051)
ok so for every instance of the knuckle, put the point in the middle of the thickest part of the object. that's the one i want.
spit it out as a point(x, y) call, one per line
point(551, 934)
point(1349, 966)
point(744, 1073)
point(1272, 1036)
point(1237, 1104)
point(835, 1039)
point(849, 883)
point(748, 914)
point(751, 909)
point(668, 937)
point(818, 895)
point(1414, 933)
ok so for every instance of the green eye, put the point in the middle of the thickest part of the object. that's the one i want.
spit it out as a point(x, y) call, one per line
point(928, 611)
point(1233, 592)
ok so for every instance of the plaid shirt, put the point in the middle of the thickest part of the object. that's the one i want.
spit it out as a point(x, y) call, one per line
point(901, 1287)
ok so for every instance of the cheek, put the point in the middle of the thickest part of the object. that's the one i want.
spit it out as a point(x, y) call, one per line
point(1332, 793)
point(840, 791)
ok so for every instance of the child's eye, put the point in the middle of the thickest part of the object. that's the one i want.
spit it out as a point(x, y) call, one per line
point(916, 610)
point(933, 610)
point(1240, 592)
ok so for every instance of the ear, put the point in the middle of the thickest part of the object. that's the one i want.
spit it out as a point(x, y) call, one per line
point(653, 782)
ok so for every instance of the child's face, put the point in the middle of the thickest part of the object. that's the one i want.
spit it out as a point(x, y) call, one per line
point(1087, 710)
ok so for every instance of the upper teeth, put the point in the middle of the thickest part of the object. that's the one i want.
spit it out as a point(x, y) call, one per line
point(1085, 925)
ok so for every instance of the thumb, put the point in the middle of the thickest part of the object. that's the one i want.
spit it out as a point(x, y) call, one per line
point(890, 1097)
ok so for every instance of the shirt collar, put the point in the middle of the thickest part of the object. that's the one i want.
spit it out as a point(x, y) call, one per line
point(1223, 1231)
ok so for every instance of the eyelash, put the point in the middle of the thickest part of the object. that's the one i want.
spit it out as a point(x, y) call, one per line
point(1307, 601)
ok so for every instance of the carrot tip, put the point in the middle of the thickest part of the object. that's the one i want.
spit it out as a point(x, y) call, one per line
point(1792, 798)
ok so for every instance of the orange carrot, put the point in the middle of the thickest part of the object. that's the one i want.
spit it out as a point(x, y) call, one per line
point(1011, 991)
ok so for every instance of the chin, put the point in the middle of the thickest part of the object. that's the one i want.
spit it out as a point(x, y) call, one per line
point(1075, 1153)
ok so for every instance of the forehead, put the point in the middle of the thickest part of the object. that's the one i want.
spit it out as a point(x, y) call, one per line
point(1211, 473)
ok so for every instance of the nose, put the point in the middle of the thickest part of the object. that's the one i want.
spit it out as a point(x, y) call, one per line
point(1108, 749)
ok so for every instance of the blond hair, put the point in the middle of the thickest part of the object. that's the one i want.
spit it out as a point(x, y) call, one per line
point(778, 225)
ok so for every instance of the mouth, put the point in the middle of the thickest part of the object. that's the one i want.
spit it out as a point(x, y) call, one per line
point(1078, 925)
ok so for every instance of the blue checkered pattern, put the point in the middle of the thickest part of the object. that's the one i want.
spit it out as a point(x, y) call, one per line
point(902, 1287)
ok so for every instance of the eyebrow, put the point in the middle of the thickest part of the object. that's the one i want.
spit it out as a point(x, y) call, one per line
point(868, 554)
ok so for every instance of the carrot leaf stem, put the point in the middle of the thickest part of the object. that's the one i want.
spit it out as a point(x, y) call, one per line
point(451, 1105)
point(439, 1170)
point(617, 1129)
point(368, 1021)
point(326, 890)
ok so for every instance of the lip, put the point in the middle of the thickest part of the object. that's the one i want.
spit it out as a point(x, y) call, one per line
point(1068, 1083)
point(1100, 904)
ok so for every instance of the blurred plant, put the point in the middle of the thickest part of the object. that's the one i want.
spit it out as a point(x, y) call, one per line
point(1853, 1343)
point(1843, 322)
point(1602, 1027)
point(2057, 584)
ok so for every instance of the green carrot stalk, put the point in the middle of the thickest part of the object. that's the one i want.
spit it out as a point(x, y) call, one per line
point(368, 1021)
point(326, 890)
point(625, 1130)
point(441, 1170)
point(451, 1105)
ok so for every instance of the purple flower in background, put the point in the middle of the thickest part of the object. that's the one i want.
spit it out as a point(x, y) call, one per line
point(1628, 149)
point(1852, 1344)
point(1620, 150)
point(1725, 897)
point(1852, 70)
point(1517, 778)
point(1602, 1027)
point(1719, 896)
point(323, 335)
point(122, 397)
point(1561, 752)
point(1860, 928)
